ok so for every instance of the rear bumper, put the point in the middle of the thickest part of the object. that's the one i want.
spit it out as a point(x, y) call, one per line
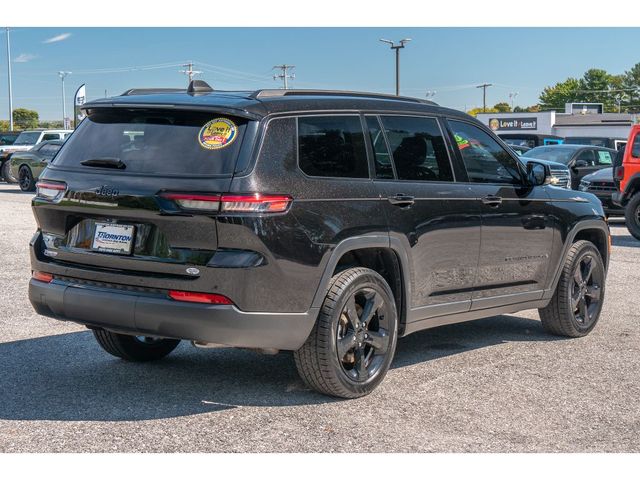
point(138, 313)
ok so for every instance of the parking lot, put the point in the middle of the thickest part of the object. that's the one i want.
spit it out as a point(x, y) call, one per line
point(494, 385)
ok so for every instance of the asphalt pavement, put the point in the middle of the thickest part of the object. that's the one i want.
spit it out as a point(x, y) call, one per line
point(495, 385)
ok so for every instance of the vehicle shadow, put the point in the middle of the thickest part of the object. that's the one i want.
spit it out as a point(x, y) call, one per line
point(68, 377)
point(15, 190)
point(624, 241)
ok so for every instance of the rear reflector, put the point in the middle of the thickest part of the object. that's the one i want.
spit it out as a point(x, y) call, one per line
point(255, 203)
point(195, 297)
point(619, 173)
point(194, 201)
point(50, 191)
point(42, 276)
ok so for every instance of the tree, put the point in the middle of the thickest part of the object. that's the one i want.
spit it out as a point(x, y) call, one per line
point(502, 107)
point(4, 125)
point(631, 82)
point(24, 118)
point(475, 111)
point(554, 98)
point(51, 124)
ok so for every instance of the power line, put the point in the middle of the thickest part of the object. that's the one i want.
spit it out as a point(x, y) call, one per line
point(284, 76)
point(189, 71)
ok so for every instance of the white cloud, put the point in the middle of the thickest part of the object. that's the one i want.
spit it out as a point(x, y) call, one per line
point(57, 38)
point(24, 58)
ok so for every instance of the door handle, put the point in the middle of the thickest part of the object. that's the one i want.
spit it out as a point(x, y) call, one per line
point(492, 200)
point(401, 200)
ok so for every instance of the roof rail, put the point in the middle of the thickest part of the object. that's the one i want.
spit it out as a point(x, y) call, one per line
point(150, 91)
point(271, 93)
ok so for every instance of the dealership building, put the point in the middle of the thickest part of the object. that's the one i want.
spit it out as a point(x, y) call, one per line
point(578, 120)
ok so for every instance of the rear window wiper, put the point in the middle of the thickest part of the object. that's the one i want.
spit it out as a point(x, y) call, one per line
point(104, 163)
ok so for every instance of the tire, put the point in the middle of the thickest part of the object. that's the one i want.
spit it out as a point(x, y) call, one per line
point(575, 306)
point(26, 180)
point(6, 173)
point(632, 215)
point(345, 356)
point(134, 349)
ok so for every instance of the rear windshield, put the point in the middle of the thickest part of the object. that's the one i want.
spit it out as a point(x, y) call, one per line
point(156, 142)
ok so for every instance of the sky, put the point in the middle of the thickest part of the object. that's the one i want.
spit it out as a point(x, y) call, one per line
point(449, 61)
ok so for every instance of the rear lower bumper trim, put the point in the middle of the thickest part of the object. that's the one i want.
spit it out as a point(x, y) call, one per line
point(135, 314)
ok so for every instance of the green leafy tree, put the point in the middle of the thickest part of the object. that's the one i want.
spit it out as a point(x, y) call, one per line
point(24, 118)
point(51, 124)
point(554, 98)
point(502, 107)
point(4, 125)
point(631, 82)
point(475, 111)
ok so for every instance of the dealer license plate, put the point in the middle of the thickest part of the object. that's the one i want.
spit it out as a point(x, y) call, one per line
point(113, 238)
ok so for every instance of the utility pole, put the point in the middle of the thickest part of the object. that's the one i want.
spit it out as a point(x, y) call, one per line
point(397, 48)
point(512, 97)
point(284, 76)
point(62, 75)
point(190, 72)
point(9, 81)
point(484, 95)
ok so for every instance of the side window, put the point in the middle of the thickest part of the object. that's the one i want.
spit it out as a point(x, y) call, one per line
point(332, 146)
point(604, 157)
point(587, 156)
point(484, 159)
point(50, 136)
point(384, 168)
point(635, 149)
point(418, 149)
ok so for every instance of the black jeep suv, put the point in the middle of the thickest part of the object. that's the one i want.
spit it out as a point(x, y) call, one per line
point(326, 223)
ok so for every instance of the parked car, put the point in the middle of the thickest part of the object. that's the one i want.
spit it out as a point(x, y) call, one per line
point(519, 149)
point(560, 173)
point(25, 141)
point(25, 167)
point(530, 140)
point(601, 184)
point(627, 179)
point(608, 142)
point(581, 159)
point(326, 223)
point(8, 138)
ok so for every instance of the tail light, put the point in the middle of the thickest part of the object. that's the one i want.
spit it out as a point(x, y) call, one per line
point(196, 297)
point(50, 191)
point(255, 203)
point(619, 173)
point(230, 203)
point(42, 276)
point(190, 201)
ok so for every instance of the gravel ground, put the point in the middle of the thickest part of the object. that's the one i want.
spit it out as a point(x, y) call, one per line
point(494, 385)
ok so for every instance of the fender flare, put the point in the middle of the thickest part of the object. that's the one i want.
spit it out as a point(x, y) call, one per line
point(632, 183)
point(357, 243)
point(582, 225)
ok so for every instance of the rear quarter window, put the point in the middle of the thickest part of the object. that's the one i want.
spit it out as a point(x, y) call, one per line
point(157, 142)
point(332, 146)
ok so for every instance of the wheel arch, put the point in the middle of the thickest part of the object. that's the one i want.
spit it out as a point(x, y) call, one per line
point(380, 254)
point(596, 232)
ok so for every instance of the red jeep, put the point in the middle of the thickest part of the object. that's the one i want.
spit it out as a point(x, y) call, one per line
point(627, 180)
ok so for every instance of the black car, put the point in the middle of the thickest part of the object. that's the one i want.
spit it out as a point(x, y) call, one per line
point(581, 159)
point(325, 223)
point(601, 184)
point(530, 140)
point(25, 167)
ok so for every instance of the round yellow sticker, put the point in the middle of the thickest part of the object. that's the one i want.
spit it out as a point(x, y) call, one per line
point(218, 133)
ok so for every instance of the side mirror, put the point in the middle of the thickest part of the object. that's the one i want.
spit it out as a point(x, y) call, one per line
point(538, 174)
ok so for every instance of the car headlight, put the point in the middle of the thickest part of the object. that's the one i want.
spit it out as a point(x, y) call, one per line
point(584, 185)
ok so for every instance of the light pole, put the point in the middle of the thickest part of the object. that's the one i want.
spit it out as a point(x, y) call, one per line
point(62, 75)
point(9, 82)
point(512, 97)
point(397, 48)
